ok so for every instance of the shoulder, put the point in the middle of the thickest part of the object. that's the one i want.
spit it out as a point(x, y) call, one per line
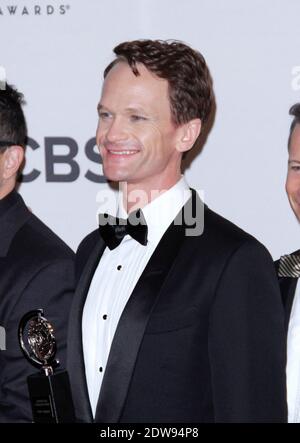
point(221, 242)
point(38, 240)
point(225, 234)
point(218, 224)
point(216, 229)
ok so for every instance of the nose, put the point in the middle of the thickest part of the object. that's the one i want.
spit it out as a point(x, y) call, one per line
point(116, 130)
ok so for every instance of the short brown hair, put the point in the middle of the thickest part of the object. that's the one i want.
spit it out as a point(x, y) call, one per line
point(190, 84)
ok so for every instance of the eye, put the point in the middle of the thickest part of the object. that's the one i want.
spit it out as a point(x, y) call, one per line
point(137, 118)
point(295, 168)
point(103, 115)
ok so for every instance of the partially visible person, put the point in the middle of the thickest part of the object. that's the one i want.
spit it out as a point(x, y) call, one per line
point(36, 267)
point(288, 268)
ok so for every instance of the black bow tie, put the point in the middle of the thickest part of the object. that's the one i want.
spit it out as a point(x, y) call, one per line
point(113, 229)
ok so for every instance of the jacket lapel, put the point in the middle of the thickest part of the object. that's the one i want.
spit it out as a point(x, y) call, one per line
point(75, 351)
point(288, 288)
point(134, 319)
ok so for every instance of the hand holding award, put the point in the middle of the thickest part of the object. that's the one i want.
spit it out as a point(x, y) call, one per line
point(49, 389)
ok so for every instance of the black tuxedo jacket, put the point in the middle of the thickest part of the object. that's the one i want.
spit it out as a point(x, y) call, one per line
point(201, 338)
point(36, 271)
point(288, 288)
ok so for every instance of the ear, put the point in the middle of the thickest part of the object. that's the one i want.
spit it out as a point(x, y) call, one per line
point(14, 157)
point(189, 134)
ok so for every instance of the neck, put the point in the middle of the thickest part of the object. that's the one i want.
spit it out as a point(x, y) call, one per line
point(136, 196)
point(6, 189)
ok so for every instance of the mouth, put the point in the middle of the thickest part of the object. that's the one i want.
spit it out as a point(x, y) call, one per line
point(120, 153)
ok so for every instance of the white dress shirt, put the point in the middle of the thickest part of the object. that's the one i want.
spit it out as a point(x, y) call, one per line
point(114, 280)
point(293, 361)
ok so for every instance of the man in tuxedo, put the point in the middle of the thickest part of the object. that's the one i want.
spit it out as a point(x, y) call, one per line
point(288, 268)
point(177, 314)
point(36, 267)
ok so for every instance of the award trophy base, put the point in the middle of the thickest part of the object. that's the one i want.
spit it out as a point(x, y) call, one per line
point(51, 398)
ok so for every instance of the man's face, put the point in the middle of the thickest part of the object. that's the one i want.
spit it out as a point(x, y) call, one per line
point(136, 136)
point(293, 176)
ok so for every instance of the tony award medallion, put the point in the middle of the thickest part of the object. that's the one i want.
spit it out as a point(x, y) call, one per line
point(49, 389)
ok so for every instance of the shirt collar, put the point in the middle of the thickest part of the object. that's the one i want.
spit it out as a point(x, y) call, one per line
point(161, 211)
